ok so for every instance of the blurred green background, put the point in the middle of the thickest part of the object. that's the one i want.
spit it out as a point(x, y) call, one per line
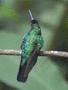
point(49, 73)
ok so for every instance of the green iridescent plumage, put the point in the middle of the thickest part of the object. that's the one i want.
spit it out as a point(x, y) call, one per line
point(30, 41)
point(30, 47)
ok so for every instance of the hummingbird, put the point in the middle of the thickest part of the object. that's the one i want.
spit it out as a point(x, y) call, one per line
point(31, 44)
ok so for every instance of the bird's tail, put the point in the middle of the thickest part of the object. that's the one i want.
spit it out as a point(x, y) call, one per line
point(20, 76)
point(25, 69)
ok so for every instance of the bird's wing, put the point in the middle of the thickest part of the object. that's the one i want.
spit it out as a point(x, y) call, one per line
point(28, 65)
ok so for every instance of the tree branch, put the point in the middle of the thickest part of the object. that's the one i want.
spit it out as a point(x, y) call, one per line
point(54, 53)
point(10, 52)
point(41, 53)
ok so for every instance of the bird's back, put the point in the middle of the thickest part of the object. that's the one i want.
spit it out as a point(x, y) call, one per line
point(30, 44)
